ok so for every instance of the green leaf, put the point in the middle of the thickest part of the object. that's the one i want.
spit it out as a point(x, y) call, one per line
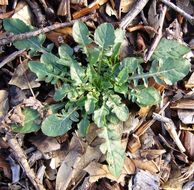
point(62, 92)
point(48, 70)
point(119, 38)
point(169, 71)
point(104, 35)
point(147, 96)
point(81, 33)
point(112, 147)
point(31, 122)
point(54, 125)
point(65, 51)
point(17, 26)
point(120, 109)
point(100, 116)
point(83, 126)
point(170, 48)
point(90, 103)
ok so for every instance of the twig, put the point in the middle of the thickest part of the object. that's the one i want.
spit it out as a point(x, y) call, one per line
point(11, 57)
point(21, 157)
point(22, 36)
point(136, 9)
point(179, 10)
point(158, 36)
point(170, 127)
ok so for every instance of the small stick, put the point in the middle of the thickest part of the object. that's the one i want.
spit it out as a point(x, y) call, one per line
point(21, 158)
point(136, 9)
point(158, 36)
point(46, 29)
point(179, 10)
point(170, 127)
point(11, 57)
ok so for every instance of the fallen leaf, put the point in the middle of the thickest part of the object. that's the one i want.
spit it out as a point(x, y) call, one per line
point(186, 116)
point(190, 82)
point(24, 78)
point(22, 12)
point(4, 103)
point(187, 138)
point(150, 166)
point(145, 180)
point(5, 167)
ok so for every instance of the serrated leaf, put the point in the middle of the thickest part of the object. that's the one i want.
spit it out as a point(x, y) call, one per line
point(83, 126)
point(31, 122)
point(100, 116)
point(147, 96)
point(17, 26)
point(120, 109)
point(54, 125)
point(81, 33)
point(104, 35)
point(112, 147)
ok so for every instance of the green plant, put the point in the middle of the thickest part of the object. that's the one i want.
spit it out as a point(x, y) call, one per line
point(95, 88)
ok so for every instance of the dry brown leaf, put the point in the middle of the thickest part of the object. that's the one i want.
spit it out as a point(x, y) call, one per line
point(153, 17)
point(3, 2)
point(145, 180)
point(23, 12)
point(186, 116)
point(125, 5)
point(5, 167)
point(64, 8)
point(24, 78)
point(187, 138)
point(71, 170)
point(174, 31)
point(183, 104)
point(151, 153)
point(6, 15)
point(190, 82)
point(97, 171)
point(146, 165)
point(110, 11)
point(4, 103)
point(45, 144)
